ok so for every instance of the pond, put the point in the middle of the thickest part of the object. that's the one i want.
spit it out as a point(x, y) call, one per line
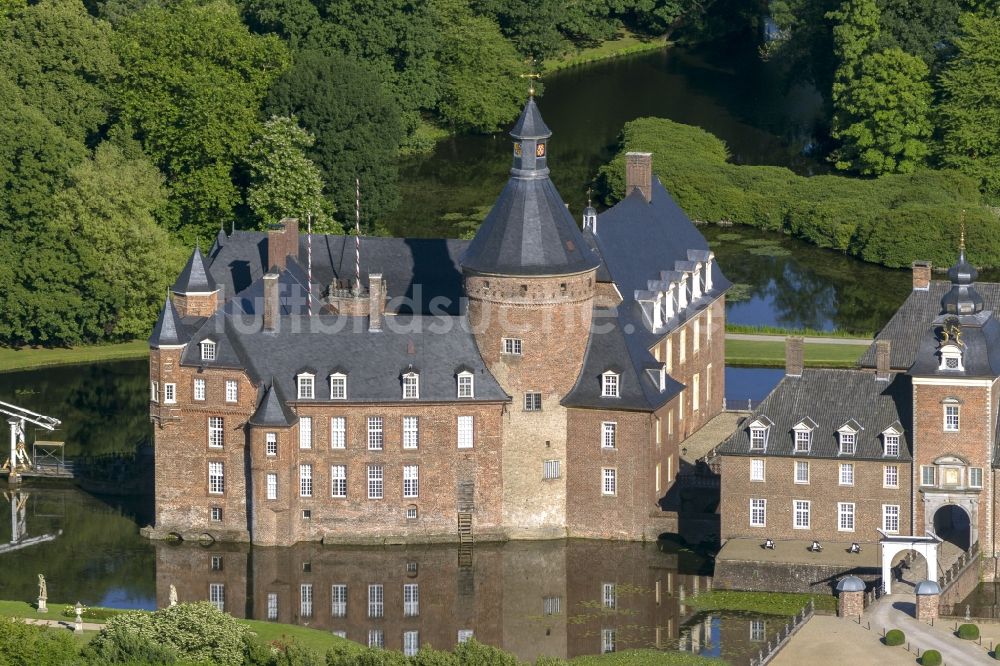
point(556, 598)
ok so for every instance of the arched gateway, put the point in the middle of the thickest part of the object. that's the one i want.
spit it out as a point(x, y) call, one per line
point(892, 545)
point(952, 523)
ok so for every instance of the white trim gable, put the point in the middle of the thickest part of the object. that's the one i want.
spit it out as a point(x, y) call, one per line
point(458, 384)
point(204, 346)
point(951, 358)
point(300, 386)
point(803, 430)
point(611, 388)
point(759, 430)
point(338, 375)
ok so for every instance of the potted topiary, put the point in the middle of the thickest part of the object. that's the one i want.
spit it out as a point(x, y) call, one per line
point(894, 637)
point(969, 632)
point(931, 658)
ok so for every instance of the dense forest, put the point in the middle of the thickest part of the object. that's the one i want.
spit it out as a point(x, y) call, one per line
point(133, 129)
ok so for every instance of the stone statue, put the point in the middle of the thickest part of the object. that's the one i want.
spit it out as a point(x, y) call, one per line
point(173, 595)
point(43, 594)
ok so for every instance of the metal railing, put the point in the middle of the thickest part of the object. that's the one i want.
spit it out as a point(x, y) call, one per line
point(766, 654)
point(950, 575)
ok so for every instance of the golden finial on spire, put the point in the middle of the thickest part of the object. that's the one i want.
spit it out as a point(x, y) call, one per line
point(531, 82)
point(588, 197)
point(961, 232)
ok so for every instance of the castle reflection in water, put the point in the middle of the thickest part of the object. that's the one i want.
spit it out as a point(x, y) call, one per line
point(551, 598)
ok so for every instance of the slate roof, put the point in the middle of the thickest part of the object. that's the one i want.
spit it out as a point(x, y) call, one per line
point(529, 124)
point(831, 398)
point(195, 277)
point(169, 329)
point(911, 322)
point(272, 410)
point(980, 348)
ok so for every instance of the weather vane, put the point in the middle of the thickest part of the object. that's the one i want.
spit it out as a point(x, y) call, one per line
point(961, 232)
point(531, 82)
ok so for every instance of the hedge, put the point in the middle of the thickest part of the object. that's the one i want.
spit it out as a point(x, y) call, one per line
point(890, 220)
point(894, 637)
point(931, 658)
point(969, 632)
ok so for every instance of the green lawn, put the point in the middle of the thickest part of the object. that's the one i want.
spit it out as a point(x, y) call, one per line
point(37, 357)
point(314, 639)
point(805, 332)
point(769, 603)
point(767, 354)
point(626, 44)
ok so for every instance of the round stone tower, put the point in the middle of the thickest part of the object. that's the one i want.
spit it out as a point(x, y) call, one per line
point(530, 280)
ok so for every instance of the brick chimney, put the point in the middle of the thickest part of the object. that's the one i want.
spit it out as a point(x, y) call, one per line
point(882, 357)
point(639, 173)
point(282, 242)
point(921, 275)
point(794, 356)
point(376, 301)
point(271, 304)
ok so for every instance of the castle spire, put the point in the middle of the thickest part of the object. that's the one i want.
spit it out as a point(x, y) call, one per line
point(962, 298)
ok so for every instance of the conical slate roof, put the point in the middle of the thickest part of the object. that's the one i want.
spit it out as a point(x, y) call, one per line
point(168, 330)
point(272, 410)
point(529, 231)
point(195, 277)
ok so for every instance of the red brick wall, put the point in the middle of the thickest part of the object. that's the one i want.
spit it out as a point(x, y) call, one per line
point(196, 305)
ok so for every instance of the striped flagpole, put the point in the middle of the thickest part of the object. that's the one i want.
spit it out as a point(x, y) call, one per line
point(357, 233)
point(309, 260)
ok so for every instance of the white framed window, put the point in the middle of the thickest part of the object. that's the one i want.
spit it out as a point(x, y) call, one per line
point(376, 638)
point(305, 480)
point(465, 634)
point(216, 428)
point(680, 404)
point(847, 474)
point(928, 475)
point(375, 434)
point(199, 389)
point(306, 386)
point(682, 352)
point(669, 353)
point(758, 630)
point(976, 477)
point(232, 390)
point(411, 600)
point(550, 469)
point(216, 563)
point(951, 418)
point(411, 432)
point(801, 471)
point(411, 481)
point(532, 402)
point(411, 386)
point(154, 391)
point(845, 516)
point(215, 514)
point(338, 600)
point(758, 439)
point(803, 441)
point(609, 385)
point(757, 469)
point(551, 605)
point(801, 511)
point(305, 432)
point(609, 434)
point(609, 595)
point(376, 479)
point(216, 478)
point(411, 512)
point(338, 432)
point(169, 394)
point(306, 599)
point(607, 641)
point(217, 595)
point(272, 606)
point(465, 429)
point(890, 443)
point(338, 480)
point(272, 486)
point(271, 443)
point(338, 386)
point(376, 601)
point(847, 442)
point(466, 385)
point(207, 350)
point(890, 477)
point(411, 643)
point(758, 512)
point(512, 346)
point(890, 518)
point(610, 481)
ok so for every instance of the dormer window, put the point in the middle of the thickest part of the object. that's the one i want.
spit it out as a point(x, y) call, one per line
point(338, 386)
point(411, 386)
point(890, 443)
point(207, 350)
point(803, 435)
point(610, 385)
point(848, 442)
point(306, 383)
point(466, 385)
point(951, 358)
point(759, 429)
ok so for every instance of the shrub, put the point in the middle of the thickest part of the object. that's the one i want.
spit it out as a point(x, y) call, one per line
point(969, 632)
point(894, 637)
point(23, 644)
point(931, 658)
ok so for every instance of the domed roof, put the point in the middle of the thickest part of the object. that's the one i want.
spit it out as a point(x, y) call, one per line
point(963, 297)
point(925, 587)
point(589, 211)
point(851, 584)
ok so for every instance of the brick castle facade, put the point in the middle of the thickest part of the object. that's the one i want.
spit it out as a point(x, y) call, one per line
point(535, 382)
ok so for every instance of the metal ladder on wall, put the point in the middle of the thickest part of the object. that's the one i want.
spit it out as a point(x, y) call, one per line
point(465, 527)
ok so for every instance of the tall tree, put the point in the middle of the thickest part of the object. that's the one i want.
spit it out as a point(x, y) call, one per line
point(969, 111)
point(356, 125)
point(193, 78)
point(480, 70)
point(284, 182)
point(883, 115)
point(533, 27)
point(61, 59)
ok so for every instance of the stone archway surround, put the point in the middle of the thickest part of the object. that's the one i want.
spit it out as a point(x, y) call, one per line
point(892, 545)
point(965, 501)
